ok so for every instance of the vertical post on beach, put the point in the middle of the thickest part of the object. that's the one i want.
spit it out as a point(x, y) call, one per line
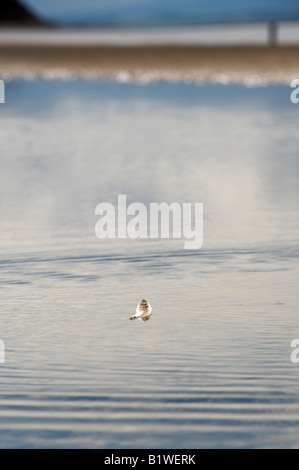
point(273, 36)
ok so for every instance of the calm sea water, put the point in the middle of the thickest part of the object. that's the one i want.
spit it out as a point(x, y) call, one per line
point(225, 34)
point(212, 368)
point(163, 12)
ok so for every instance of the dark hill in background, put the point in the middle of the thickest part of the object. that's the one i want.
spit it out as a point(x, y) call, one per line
point(12, 13)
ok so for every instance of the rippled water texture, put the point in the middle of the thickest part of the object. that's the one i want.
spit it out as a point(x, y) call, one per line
point(212, 367)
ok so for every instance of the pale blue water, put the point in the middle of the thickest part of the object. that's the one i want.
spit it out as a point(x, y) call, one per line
point(163, 12)
point(224, 34)
point(212, 367)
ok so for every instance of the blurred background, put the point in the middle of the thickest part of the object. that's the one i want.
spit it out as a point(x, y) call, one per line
point(159, 12)
point(163, 13)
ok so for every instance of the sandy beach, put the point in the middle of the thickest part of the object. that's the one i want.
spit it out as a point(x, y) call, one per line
point(145, 63)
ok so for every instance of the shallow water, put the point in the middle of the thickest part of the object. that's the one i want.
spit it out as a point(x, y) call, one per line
point(212, 367)
point(223, 34)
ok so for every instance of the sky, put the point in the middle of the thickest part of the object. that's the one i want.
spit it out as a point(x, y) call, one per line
point(163, 11)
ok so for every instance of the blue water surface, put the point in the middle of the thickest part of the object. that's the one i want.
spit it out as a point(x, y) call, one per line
point(163, 12)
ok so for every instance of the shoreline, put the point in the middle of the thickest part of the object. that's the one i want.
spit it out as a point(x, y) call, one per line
point(251, 65)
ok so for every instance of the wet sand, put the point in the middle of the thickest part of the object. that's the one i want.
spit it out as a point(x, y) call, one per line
point(251, 64)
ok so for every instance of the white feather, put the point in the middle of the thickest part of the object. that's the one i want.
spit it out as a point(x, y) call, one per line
point(143, 311)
